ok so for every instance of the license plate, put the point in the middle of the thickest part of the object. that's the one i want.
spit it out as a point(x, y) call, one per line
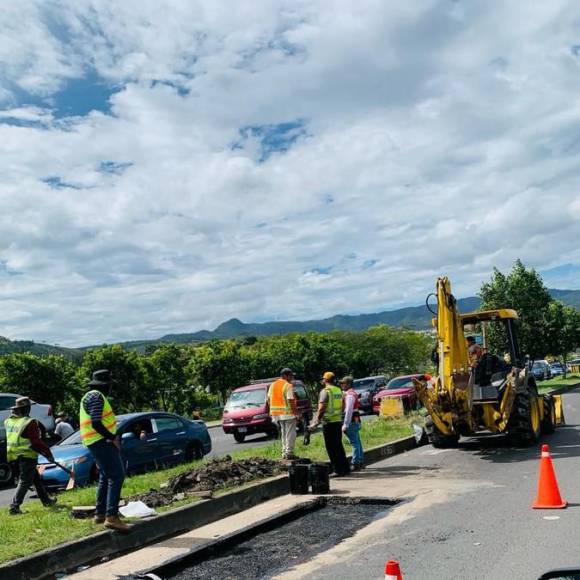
point(242, 429)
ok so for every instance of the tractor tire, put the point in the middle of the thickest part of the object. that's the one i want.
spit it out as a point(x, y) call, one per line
point(549, 421)
point(438, 439)
point(525, 426)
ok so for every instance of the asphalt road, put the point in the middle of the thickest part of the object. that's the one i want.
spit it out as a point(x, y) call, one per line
point(472, 519)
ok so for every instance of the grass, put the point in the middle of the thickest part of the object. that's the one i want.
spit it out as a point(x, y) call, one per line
point(40, 528)
point(558, 383)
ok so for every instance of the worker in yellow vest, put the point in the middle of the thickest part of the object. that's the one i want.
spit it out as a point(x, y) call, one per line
point(283, 410)
point(23, 445)
point(98, 426)
point(329, 413)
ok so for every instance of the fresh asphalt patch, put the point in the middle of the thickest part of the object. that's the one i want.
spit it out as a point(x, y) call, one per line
point(287, 544)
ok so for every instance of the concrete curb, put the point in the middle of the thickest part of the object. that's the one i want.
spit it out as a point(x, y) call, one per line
point(92, 548)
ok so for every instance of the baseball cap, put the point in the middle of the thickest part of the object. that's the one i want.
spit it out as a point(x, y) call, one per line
point(328, 376)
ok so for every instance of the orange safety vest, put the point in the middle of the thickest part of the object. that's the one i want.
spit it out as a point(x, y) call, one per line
point(278, 402)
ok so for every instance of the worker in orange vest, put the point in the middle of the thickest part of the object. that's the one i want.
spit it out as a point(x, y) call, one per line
point(283, 411)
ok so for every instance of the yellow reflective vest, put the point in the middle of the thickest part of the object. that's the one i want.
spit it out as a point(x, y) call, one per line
point(16, 444)
point(88, 434)
point(333, 411)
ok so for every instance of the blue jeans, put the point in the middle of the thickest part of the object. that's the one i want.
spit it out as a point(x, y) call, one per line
point(111, 476)
point(353, 434)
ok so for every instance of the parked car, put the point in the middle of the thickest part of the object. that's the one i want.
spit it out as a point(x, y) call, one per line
point(399, 387)
point(367, 388)
point(247, 411)
point(148, 441)
point(43, 413)
point(541, 370)
point(557, 368)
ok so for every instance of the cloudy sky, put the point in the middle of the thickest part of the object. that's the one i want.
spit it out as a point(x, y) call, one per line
point(167, 165)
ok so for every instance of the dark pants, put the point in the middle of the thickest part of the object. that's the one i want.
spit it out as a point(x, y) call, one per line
point(332, 433)
point(111, 476)
point(25, 467)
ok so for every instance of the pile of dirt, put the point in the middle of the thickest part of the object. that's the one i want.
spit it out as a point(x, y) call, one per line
point(208, 477)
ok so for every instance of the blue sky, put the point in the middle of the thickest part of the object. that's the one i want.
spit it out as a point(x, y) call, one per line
point(169, 165)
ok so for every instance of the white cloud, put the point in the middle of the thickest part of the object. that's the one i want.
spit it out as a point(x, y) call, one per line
point(435, 138)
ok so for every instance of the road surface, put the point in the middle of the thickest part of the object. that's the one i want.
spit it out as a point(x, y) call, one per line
point(467, 514)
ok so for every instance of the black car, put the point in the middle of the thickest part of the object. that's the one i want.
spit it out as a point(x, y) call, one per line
point(367, 388)
point(541, 370)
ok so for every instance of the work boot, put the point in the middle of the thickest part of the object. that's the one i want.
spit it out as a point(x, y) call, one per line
point(50, 502)
point(99, 518)
point(115, 523)
point(15, 511)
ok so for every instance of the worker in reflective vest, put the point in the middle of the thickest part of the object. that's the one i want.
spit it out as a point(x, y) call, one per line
point(283, 411)
point(351, 424)
point(99, 434)
point(23, 445)
point(329, 413)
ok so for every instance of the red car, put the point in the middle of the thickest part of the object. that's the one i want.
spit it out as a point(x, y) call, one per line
point(402, 387)
point(246, 411)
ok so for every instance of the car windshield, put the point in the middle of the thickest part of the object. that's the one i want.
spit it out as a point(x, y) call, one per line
point(75, 438)
point(6, 402)
point(246, 399)
point(399, 383)
point(538, 365)
point(363, 384)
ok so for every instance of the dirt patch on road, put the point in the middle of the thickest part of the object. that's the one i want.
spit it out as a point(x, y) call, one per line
point(211, 476)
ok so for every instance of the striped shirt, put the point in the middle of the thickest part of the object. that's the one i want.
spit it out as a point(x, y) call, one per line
point(94, 404)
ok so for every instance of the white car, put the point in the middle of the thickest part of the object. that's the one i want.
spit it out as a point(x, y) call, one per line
point(43, 413)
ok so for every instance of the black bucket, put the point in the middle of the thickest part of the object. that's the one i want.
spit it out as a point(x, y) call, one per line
point(298, 478)
point(320, 478)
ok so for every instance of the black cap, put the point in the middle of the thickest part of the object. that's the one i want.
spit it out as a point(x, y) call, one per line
point(101, 378)
point(286, 371)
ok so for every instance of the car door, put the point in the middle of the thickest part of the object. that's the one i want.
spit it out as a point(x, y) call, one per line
point(139, 445)
point(172, 438)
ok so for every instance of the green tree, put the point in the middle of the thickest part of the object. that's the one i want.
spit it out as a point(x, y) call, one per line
point(219, 366)
point(45, 379)
point(167, 377)
point(130, 390)
point(563, 330)
point(524, 291)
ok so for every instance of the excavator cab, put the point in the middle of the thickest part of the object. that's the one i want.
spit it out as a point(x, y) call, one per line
point(496, 394)
point(489, 376)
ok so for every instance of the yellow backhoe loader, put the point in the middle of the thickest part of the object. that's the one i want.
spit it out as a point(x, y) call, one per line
point(497, 394)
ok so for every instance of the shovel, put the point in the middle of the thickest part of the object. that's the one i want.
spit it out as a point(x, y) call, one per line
point(71, 482)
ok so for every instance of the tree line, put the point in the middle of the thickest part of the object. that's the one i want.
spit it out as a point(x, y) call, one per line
point(183, 378)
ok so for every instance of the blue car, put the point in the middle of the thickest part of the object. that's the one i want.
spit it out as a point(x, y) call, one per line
point(148, 441)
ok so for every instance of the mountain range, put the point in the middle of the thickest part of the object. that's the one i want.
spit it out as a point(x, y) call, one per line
point(413, 317)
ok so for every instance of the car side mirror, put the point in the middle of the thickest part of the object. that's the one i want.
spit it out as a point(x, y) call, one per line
point(128, 435)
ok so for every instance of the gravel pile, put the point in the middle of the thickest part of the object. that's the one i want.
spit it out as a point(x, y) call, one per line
point(208, 477)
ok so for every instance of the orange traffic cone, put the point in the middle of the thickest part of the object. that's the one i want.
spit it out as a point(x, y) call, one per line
point(548, 493)
point(393, 571)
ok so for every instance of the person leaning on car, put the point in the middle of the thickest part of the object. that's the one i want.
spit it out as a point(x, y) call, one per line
point(23, 445)
point(283, 411)
point(99, 434)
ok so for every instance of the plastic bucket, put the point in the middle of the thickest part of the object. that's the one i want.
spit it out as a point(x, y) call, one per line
point(320, 478)
point(298, 478)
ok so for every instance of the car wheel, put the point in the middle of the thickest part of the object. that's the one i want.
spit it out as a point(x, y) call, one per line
point(193, 451)
point(239, 437)
point(6, 474)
